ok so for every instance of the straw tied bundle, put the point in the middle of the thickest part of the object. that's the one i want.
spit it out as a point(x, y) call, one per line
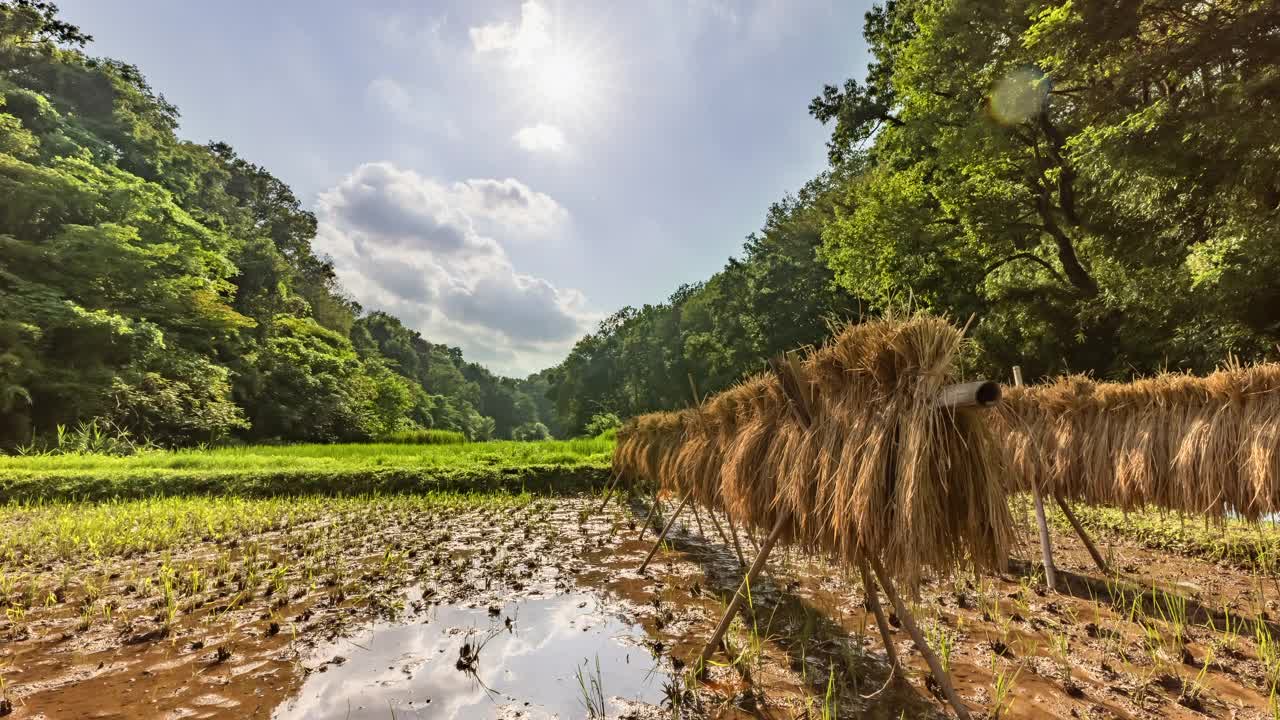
point(1204, 445)
point(847, 445)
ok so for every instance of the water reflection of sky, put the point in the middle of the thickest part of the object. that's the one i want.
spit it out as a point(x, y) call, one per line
point(409, 669)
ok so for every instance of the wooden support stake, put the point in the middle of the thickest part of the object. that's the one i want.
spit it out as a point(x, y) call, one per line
point(653, 508)
point(733, 533)
point(671, 522)
point(882, 622)
point(723, 537)
point(1046, 545)
point(697, 518)
point(756, 566)
point(909, 622)
point(609, 491)
point(1084, 536)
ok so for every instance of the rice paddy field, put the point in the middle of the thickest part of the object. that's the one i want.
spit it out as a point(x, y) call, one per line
point(302, 469)
point(373, 582)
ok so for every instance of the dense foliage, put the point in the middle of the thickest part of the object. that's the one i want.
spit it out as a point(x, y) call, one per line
point(170, 289)
point(1096, 183)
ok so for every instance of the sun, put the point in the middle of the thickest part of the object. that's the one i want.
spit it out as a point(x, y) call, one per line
point(568, 78)
point(565, 84)
point(561, 80)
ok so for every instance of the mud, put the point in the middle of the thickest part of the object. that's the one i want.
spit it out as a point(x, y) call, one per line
point(375, 624)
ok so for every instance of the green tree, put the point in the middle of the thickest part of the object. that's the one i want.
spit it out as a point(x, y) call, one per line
point(1089, 178)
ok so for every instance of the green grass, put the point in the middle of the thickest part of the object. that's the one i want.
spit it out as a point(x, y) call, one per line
point(310, 469)
point(425, 437)
point(1233, 541)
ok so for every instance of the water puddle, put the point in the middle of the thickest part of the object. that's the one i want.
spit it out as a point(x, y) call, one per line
point(526, 660)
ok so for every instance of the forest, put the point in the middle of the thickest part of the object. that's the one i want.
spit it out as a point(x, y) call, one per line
point(1096, 185)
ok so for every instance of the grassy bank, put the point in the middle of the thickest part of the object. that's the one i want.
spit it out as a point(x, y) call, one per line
point(311, 469)
point(1251, 546)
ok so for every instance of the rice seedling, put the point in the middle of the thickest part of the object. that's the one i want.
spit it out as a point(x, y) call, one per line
point(591, 690)
point(942, 641)
point(170, 596)
point(1003, 683)
point(1193, 689)
point(831, 700)
point(1228, 638)
point(1060, 645)
point(1172, 609)
point(1268, 652)
point(297, 470)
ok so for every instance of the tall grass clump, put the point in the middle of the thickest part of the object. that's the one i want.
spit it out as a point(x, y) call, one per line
point(424, 437)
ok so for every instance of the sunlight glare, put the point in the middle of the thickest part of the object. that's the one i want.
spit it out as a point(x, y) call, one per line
point(561, 80)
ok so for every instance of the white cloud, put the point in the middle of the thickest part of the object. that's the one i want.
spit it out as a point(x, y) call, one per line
point(541, 138)
point(521, 41)
point(416, 247)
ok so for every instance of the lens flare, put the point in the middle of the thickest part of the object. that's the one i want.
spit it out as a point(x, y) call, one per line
point(1019, 96)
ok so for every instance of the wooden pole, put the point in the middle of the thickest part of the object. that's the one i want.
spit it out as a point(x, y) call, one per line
point(697, 518)
point(609, 491)
point(1084, 536)
point(756, 566)
point(882, 622)
point(733, 533)
point(720, 530)
point(653, 508)
point(1046, 545)
point(909, 622)
point(671, 522)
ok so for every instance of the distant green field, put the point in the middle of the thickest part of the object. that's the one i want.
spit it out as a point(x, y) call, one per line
point(304, 469)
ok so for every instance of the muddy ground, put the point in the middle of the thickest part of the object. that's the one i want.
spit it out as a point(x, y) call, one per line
point(538, 611)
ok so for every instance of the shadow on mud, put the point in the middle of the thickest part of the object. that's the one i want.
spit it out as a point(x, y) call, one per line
point(1119, 592)
point(816, 646)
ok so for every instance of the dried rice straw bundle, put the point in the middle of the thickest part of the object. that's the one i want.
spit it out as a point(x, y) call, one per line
point(846, 447)
point(1202, 445)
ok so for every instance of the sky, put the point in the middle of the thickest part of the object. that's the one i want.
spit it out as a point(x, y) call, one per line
point(500, 174)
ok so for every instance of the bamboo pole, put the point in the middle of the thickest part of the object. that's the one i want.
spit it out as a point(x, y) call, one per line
point(697, 518)
point(653, 508)
point(756, 566)
point(1084, 536)
point(882, 622)
point(733, 533)
point(1046, 545)
point(715, 522)
point(670, 523)
point(909, 622)
point(609, 491)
